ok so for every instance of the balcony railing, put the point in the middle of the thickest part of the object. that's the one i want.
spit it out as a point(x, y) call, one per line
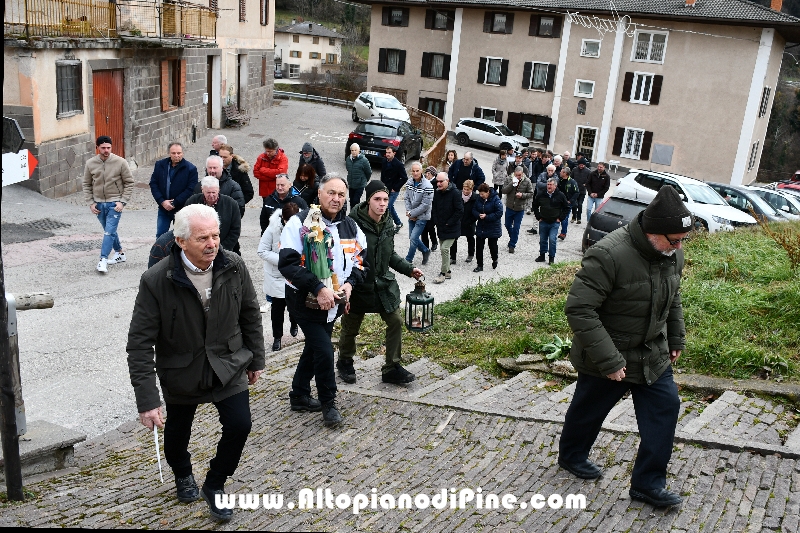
point(100, 18)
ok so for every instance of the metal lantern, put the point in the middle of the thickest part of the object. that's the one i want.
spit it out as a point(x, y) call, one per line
point(419, 308)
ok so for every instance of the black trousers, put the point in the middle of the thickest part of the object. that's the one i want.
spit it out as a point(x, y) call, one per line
point(499, 190)
point(234, 415)
point(656, 407)
point(479, 248)
point(470, 247)
point(276, 314)
point(429, 232)
point(316, 361)
point(577, 209)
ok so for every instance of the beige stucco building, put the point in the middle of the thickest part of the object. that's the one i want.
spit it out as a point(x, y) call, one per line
point(306, 47)
point(679, 86)
point(144, 73)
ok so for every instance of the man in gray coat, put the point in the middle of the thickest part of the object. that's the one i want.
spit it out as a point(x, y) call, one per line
point(199, 309)
point(625, 311)
point(359, 172)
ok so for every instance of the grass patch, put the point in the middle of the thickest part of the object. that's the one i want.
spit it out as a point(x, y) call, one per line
point(741, 305)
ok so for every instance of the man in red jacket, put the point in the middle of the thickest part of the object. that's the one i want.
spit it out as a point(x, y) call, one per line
point(268, 165)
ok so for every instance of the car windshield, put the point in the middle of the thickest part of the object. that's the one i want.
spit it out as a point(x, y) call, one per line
point(387, 103)
point(762, 204)
point(703, 194)
point(504, 130)
point(378, 130)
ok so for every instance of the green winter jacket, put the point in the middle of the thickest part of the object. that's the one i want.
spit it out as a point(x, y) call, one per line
point(359, 171)
point(624, 307)
point(379, 292)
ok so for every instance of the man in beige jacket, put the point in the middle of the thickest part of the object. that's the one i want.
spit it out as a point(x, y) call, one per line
point(107, 187)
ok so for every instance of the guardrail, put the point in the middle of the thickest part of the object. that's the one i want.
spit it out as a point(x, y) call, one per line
point(314, 98)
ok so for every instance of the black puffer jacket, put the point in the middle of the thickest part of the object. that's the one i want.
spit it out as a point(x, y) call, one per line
point(448, 208)
point(315, 161)
point(467, 218)
point(239, 173)
point(228, 187)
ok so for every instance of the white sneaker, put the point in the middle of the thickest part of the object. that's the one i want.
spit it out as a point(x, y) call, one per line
point(102, 266)
point(118, 257)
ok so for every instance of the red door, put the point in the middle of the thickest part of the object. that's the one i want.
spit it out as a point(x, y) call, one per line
point(108, 118)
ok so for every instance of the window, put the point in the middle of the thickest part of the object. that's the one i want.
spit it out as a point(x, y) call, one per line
point(69, 88)
point(533, 127)
point(545, 26)
point(751, 162)
point(264, 12)
point(294, 71)
point(433, 106)
point(295, 53)
point(590, 48)
point(439, 20)
point(332, 41)
point(331, 59)
point(632, 143)
point(314, 55)
point(651, 182)
point(435, 66)
point(173, 83)
point(295, 38)
point(642, 88)
point(538, 76)
point(242, 10)
point(488, 113)
point(581, 107)
point(649, 47)
point(498, 22)
point(315, 40)
point(392, 61)
point(762, 110)
point(492, 69)
point(395, 16)
point(584, 88)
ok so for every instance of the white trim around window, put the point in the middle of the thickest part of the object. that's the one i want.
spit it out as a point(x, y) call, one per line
point(632, 143)
point(584, 88)
point(538, 81)
point(642, 87)
point(499, 70)
point(488, 113)
point(590, 50)
point(649, 46)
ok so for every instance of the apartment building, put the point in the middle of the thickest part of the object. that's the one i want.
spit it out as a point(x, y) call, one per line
point(307, 47)
point(680, 86)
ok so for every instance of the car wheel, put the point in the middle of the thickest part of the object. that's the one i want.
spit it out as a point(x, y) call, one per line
point(462, 139)
point(402, 157)
point(355, 115)
point(700, 226)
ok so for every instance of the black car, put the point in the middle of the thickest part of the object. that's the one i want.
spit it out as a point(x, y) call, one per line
point(612, 214)
point(744, 199)
point(373, 136)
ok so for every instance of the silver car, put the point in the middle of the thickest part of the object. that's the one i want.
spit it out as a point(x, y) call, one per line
point(488, 133)
point(377, 105)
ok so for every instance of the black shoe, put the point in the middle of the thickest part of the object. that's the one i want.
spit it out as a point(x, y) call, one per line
point(478, 269)
point(655, 497)
point(434, 246)
point(305, 403)
point(494, 264)
point(346, 371)
point(276, 345)
point(330, 415)
point(583, 470)
point(425, 257)
point(398, 227)
point(187, 489)
point(552, 259)
point(533, 231)
point(578, 221)
point(217, 513)
point(398, 375)
point(562, 236)
point(572, 220)
point(540, 259)
point(452, 261)
point(468, 259)
point(511, 249)
point(293, 330)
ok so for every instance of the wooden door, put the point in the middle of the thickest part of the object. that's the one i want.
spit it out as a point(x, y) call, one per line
point(108, 107)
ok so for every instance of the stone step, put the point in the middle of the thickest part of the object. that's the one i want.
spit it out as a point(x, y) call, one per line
point(368, 375)
point(466, 385)
point(45, 447)
point(451, 378)
point(489, 395)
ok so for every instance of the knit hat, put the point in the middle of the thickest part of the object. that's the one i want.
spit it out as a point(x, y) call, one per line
point(375, 186)
point(307, 147)
point(667, 214)
point(431, 170)
point(103, 139)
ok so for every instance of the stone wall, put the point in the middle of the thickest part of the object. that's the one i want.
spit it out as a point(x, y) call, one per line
point(258, 98)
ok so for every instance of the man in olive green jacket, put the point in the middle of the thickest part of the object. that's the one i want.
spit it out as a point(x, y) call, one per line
point(199, 309)
point(379, 293)
point(625, 311)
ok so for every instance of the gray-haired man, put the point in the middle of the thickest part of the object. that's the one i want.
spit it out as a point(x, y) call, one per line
point(549, 208)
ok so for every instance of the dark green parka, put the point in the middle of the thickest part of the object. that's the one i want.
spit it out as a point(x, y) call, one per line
point(624, 307)
point(379, 292)
point(191, 349)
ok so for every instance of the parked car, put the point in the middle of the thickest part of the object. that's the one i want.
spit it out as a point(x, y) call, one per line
point(278, 74)
point(789, 186)
point(710, 210)
point(613, 213)
point(369, 105)
point(373, 136)
point(744, 199)
point(786, 203)
point(488, 133)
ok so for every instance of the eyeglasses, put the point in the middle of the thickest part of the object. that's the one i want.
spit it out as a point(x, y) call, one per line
point(676, 242)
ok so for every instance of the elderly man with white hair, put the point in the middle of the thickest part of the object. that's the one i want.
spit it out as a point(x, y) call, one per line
point(359, 172)
point(215, 167)
point(216, 142)
point(230, 221)
point(196, 327)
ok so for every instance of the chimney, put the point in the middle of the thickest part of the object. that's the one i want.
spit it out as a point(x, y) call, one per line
point(776, 5)
point(310, 26)
point(691, 3)
point(294, 21)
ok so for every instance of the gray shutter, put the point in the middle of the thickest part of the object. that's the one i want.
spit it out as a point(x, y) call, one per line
point(526, 75)
point(627, 85)
point(647, 142)
point(619, 136)
point(509, 22)
point(655, 92)
point(382, 60)
point(401, 64)
point(482, 70)
point(551, 78)
point(503, 72)
point(426, 65)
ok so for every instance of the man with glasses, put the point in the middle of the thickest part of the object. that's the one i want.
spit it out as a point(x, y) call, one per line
point(625, 310)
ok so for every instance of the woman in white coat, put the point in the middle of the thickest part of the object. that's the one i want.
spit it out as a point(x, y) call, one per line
point(274, 282)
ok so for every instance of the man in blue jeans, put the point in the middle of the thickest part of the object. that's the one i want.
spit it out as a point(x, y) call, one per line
point(107, 187)
point(172, 183)
point(549, 208)
point(517, 191)
point(418, 200)
point(393, 175)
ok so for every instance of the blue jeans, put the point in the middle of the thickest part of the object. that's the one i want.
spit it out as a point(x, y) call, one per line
point(392, 197)
point(591, 205)
point(565, 222)
point(415, 229)
point(109, 219)
point(513, 224)
point(163, 221)
point(548, 233)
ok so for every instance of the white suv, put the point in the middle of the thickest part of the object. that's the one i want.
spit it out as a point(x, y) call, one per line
point(488, 133)
point(708, 207)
